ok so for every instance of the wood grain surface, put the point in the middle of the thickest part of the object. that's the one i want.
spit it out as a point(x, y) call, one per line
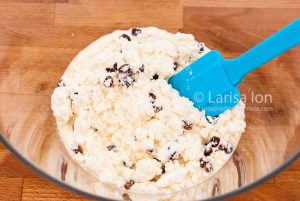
point(231, 26)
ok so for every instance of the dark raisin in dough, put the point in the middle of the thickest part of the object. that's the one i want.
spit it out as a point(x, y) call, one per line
point(108, 81)
point(173, 156)
point(115, 66)
point(175, 65)
point(79, 149)
point(203, 163)
point(226, 148)
point(125, 36)
point(126, 197)
point(214, 141)
point(152, 97)
point(110, 70)
point(201, 48)
point(127, 81)
point(208, 167)
point(207, 151)
point(149, 151)
point(61, 83)
point(125, 68)
point(111, 147)
point(128, 184)
point(163, 168)
point(187, 125)
point(142, 68)
point(136, 31)
point(125, 164)
point(157, 108)
point(155, 77)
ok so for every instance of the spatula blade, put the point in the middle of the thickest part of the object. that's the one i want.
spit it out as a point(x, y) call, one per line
point(206, 84)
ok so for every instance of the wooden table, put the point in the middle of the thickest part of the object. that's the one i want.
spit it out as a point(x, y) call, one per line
point(86, 20)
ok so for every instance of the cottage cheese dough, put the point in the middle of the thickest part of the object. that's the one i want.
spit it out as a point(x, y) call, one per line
point(120, 120)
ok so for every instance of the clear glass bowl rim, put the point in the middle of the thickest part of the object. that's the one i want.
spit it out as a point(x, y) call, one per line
point(52, 179)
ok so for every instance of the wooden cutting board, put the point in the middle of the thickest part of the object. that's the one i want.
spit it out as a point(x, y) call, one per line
point(23, 46)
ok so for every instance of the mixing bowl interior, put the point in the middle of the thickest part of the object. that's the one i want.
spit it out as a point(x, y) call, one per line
point(36, 49)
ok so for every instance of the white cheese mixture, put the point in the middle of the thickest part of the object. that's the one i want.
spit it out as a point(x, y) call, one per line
point(120, 120)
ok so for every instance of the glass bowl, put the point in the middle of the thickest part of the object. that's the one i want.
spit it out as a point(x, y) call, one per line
point(35, 50)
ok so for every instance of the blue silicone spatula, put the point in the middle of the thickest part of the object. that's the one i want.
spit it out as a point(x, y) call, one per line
point(211, 81)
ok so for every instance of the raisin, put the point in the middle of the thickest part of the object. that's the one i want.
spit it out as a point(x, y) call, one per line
point(208, 167)
point(155, 77)
point(226, 148)
point(128, 184)
point(111, 147)
point(207, 151)
point(61, 83)
point(152, 97)
point(75, 93)
point(187, 125)
point(127, 81)
point(221, 147)
point(173, 156)
point(124, 68)
point(126, 197)
point(115, 66)
point(201, 47)
point(157, 108)
point(125, 36)
point(110, 70)
point(79, 149)
point(125, 164)
point(203, 162)
point(149, 151)
point(136, 31)
point(175, 65)
point(142, 68)
point(163, 168)
point(108, 81)
point(214, 141)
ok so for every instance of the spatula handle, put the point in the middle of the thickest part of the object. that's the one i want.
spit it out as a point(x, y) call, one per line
point(265, 51)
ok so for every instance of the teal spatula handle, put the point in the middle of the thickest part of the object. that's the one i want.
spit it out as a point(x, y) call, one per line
point(265, 51)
